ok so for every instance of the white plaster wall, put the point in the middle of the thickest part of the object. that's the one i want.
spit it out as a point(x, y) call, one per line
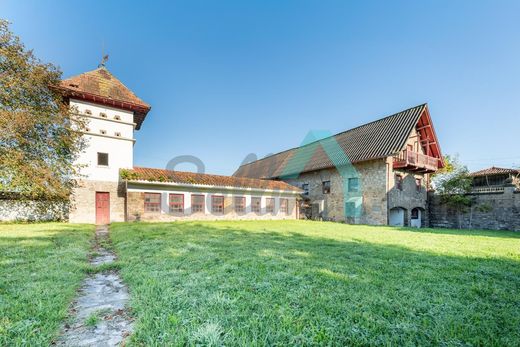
point(119, 149)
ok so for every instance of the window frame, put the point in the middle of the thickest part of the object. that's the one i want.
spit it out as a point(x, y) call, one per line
point(253, 205)
point(269, 209)
point(203, 205)
point(350, 190)
point(418, 184)
point(284, 208)
point(170, 203)
point(243, 206)
point(148, 204)
point(399, 181)
point(98, 159)
point(325, 187)
point(220, 208)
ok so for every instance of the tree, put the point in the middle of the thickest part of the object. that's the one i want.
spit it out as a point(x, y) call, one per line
point(453, 183)
point(39, 136)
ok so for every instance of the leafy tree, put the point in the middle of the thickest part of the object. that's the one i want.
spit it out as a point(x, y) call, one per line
point(453, 183)
point(39, 137)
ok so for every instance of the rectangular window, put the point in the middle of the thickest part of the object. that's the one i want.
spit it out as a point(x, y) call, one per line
point(353, 184)
point(269, 205)
point(240, 204)
point(102, 159)
point(217, 204)
point(305, 188)
point(197, 203)
point(152, 202)
point(284, 206)
point(399, 182)
point(326, 187)
point(177, 203)
point(418, 184)
point(256, 206)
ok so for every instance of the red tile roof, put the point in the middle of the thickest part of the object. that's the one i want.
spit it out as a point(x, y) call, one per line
point(494, 171)
point(160, 175)
point(100, 86)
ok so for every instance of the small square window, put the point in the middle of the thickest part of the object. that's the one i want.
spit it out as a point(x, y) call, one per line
point(103, 115)
point(326, 187)
point(353, 184)
point(418, 184)
point(399, 182)
point(102, 159)
point(117, 133)
point(117, 117)
point(152, 202)
point(103, 132)
point(87, 111)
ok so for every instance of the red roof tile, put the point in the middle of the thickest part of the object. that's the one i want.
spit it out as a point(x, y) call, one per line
point(494, 171)
point(160, 175)
point(100, 86)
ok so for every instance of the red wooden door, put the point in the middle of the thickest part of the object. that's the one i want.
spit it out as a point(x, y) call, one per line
point(102, 208)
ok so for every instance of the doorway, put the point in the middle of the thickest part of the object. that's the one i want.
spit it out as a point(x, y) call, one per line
point(102, 208)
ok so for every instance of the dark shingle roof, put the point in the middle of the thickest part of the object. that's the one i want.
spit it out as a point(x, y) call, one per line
point(494, 171)
point(378, 139)
point(100, 85)
point(182, 177)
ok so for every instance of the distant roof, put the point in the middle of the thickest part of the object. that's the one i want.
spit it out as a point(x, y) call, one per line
point(100, 86)
point(378, 139)
point(494, 171)
point(182, 177)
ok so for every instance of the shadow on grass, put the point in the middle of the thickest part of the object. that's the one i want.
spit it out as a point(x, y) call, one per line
point(291, 288)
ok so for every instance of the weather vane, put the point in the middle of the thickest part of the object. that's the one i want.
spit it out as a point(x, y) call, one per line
point(104, 58)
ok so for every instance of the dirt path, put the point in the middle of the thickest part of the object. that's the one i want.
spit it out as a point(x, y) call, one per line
point(99, 316)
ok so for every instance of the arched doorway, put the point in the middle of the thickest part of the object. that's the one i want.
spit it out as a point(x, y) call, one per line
point(397, 217)
point(416, 217)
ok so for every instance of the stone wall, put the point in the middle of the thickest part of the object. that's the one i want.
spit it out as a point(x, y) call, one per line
point(83, 201)
point(34, 211)
point(493, 211)
point(372, 176)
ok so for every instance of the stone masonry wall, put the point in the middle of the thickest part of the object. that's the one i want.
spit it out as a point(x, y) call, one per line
point(83, 201)
point(492, 211)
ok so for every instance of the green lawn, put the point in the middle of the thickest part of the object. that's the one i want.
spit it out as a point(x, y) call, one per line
point(312, 283)
point(41, 266)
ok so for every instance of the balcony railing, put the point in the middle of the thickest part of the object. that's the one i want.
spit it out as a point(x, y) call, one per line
point(414, 161)
point(489, 189)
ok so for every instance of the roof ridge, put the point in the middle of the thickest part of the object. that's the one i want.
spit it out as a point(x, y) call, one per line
point(198, 173)
point(342, 132)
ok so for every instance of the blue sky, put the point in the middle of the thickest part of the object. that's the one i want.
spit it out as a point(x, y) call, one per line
point(229, 78)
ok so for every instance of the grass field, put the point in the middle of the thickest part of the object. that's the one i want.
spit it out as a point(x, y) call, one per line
point(41, 266)
point(312, 283)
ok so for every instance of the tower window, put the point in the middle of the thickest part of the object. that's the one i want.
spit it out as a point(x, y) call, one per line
point(103, 132)
point(102, 159)
point(103, 115)
point(87, 111)
point(116, 117)
point(399, 182)
point(117, 133)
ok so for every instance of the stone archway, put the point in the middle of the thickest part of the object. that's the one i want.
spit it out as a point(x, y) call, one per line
point(416, 217)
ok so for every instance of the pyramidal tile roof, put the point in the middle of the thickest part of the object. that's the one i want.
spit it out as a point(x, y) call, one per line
point(100, 86)
point(183, 177)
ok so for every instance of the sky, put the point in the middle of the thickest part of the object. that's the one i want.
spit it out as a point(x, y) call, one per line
point(229, 78)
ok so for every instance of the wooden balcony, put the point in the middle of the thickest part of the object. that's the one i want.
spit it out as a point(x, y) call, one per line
point(413, 161)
